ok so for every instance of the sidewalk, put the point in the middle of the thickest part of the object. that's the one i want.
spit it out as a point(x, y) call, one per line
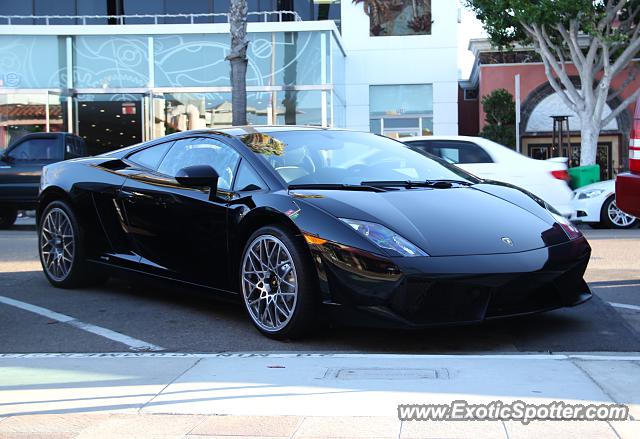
point(300, 395)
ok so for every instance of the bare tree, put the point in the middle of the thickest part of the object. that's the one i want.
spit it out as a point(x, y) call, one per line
point(599, 37)
point(237, 57)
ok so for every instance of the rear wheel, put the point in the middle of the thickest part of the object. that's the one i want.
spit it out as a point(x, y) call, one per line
point(612, 217)
point(277, 284)
point(8, 217)
point(61, 248)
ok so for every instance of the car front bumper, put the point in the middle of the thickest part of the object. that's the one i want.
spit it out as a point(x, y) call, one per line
point(363, 290)
point(587, 210)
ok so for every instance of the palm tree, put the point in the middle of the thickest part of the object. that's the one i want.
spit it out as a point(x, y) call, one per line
point(238, 58)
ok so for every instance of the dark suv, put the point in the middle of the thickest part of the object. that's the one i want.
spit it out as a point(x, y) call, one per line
point(21, 166)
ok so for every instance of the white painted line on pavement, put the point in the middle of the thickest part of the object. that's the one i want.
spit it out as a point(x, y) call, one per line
point(629, 356)
point(616, 286)
point(625, 306)
point(133, 343)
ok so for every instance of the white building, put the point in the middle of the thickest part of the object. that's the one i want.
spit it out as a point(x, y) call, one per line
point(400, 78)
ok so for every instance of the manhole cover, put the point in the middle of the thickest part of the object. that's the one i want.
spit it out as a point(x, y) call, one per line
point(386, 374)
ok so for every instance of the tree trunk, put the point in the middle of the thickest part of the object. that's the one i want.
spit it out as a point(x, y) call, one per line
point(589, 142)
point(238, 59)
point(239, 91)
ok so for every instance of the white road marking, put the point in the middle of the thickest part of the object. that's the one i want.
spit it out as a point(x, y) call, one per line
point(133, 343)
point(625, 306)
point(616, 286)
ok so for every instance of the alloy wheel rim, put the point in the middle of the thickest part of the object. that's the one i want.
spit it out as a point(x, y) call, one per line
point(57, 244)
point(269, 283)
point(618, 217)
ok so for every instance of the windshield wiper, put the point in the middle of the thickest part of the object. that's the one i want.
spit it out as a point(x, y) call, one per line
point(337, 187)
point(438, 184)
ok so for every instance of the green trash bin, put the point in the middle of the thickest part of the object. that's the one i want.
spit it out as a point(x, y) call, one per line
point(584, 175)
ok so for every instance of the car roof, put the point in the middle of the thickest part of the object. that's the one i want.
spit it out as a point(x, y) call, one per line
point(463, 138)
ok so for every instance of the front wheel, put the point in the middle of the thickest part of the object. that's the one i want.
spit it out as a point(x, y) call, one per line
point(8, 217)
point(612, 217)
point(277, 284)
point(61, 248)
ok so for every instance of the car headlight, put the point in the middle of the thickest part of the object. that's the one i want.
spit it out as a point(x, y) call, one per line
point(385, 238)
point(568, 227)
point(590, 194)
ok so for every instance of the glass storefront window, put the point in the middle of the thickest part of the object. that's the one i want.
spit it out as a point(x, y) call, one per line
point(111, 82)
point(401, 110)
point(282, 58)
point(30, 61)
point(299, 108)
point(110, 61)
point(301, 58)
point(174, 112)
point(397, 100)
point(26, 113)
point(191, 60)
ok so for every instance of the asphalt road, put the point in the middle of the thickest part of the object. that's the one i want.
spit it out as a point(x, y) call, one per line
point(181, 320)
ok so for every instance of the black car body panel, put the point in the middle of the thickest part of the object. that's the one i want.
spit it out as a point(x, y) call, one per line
point(139, 219)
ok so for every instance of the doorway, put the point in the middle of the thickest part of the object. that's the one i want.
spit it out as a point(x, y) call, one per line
point(110, 121)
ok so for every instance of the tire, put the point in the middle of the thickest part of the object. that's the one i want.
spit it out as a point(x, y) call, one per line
point(8, 217)
point(613, 218)
point(292, 278)
point(61, 249)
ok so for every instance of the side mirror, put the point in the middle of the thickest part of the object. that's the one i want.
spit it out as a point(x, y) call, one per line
point(199, 176)
point(5, 157)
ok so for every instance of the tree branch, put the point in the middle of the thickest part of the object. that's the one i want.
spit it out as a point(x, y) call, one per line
point(547, 56)
point(571, 37)
point(628, 54)
point(557, 88)
point(620, 108)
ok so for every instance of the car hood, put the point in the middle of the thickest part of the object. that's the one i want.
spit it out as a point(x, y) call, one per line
point(446, 222)
point(607, 185)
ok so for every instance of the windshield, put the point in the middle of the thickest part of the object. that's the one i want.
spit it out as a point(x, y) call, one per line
point(347, 158)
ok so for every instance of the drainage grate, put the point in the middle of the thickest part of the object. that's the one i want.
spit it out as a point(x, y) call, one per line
point(386, 374)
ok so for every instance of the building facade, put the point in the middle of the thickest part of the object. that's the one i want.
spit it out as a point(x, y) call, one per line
point(118, 72)
point(495, 69)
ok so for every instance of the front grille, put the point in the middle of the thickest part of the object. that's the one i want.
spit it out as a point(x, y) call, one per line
point(474, 298)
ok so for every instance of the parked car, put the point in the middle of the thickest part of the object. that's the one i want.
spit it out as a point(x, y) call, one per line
point(546, 179)
point(21, 165)
point(628, 183)
point(293, 221)
point(595, 204)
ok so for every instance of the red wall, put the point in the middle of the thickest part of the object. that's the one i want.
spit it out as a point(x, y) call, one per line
point(467, 115)
point(532, 76)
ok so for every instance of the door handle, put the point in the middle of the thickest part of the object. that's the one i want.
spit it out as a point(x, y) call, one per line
point(127, 196)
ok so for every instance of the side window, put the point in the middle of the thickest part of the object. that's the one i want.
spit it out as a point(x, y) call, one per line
point(150, 157)
point(423, 146)
point(202, 151)
point(247, 179)
point(472, 153)
point(73, 147)
point(459, 152)
point(37, 150)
